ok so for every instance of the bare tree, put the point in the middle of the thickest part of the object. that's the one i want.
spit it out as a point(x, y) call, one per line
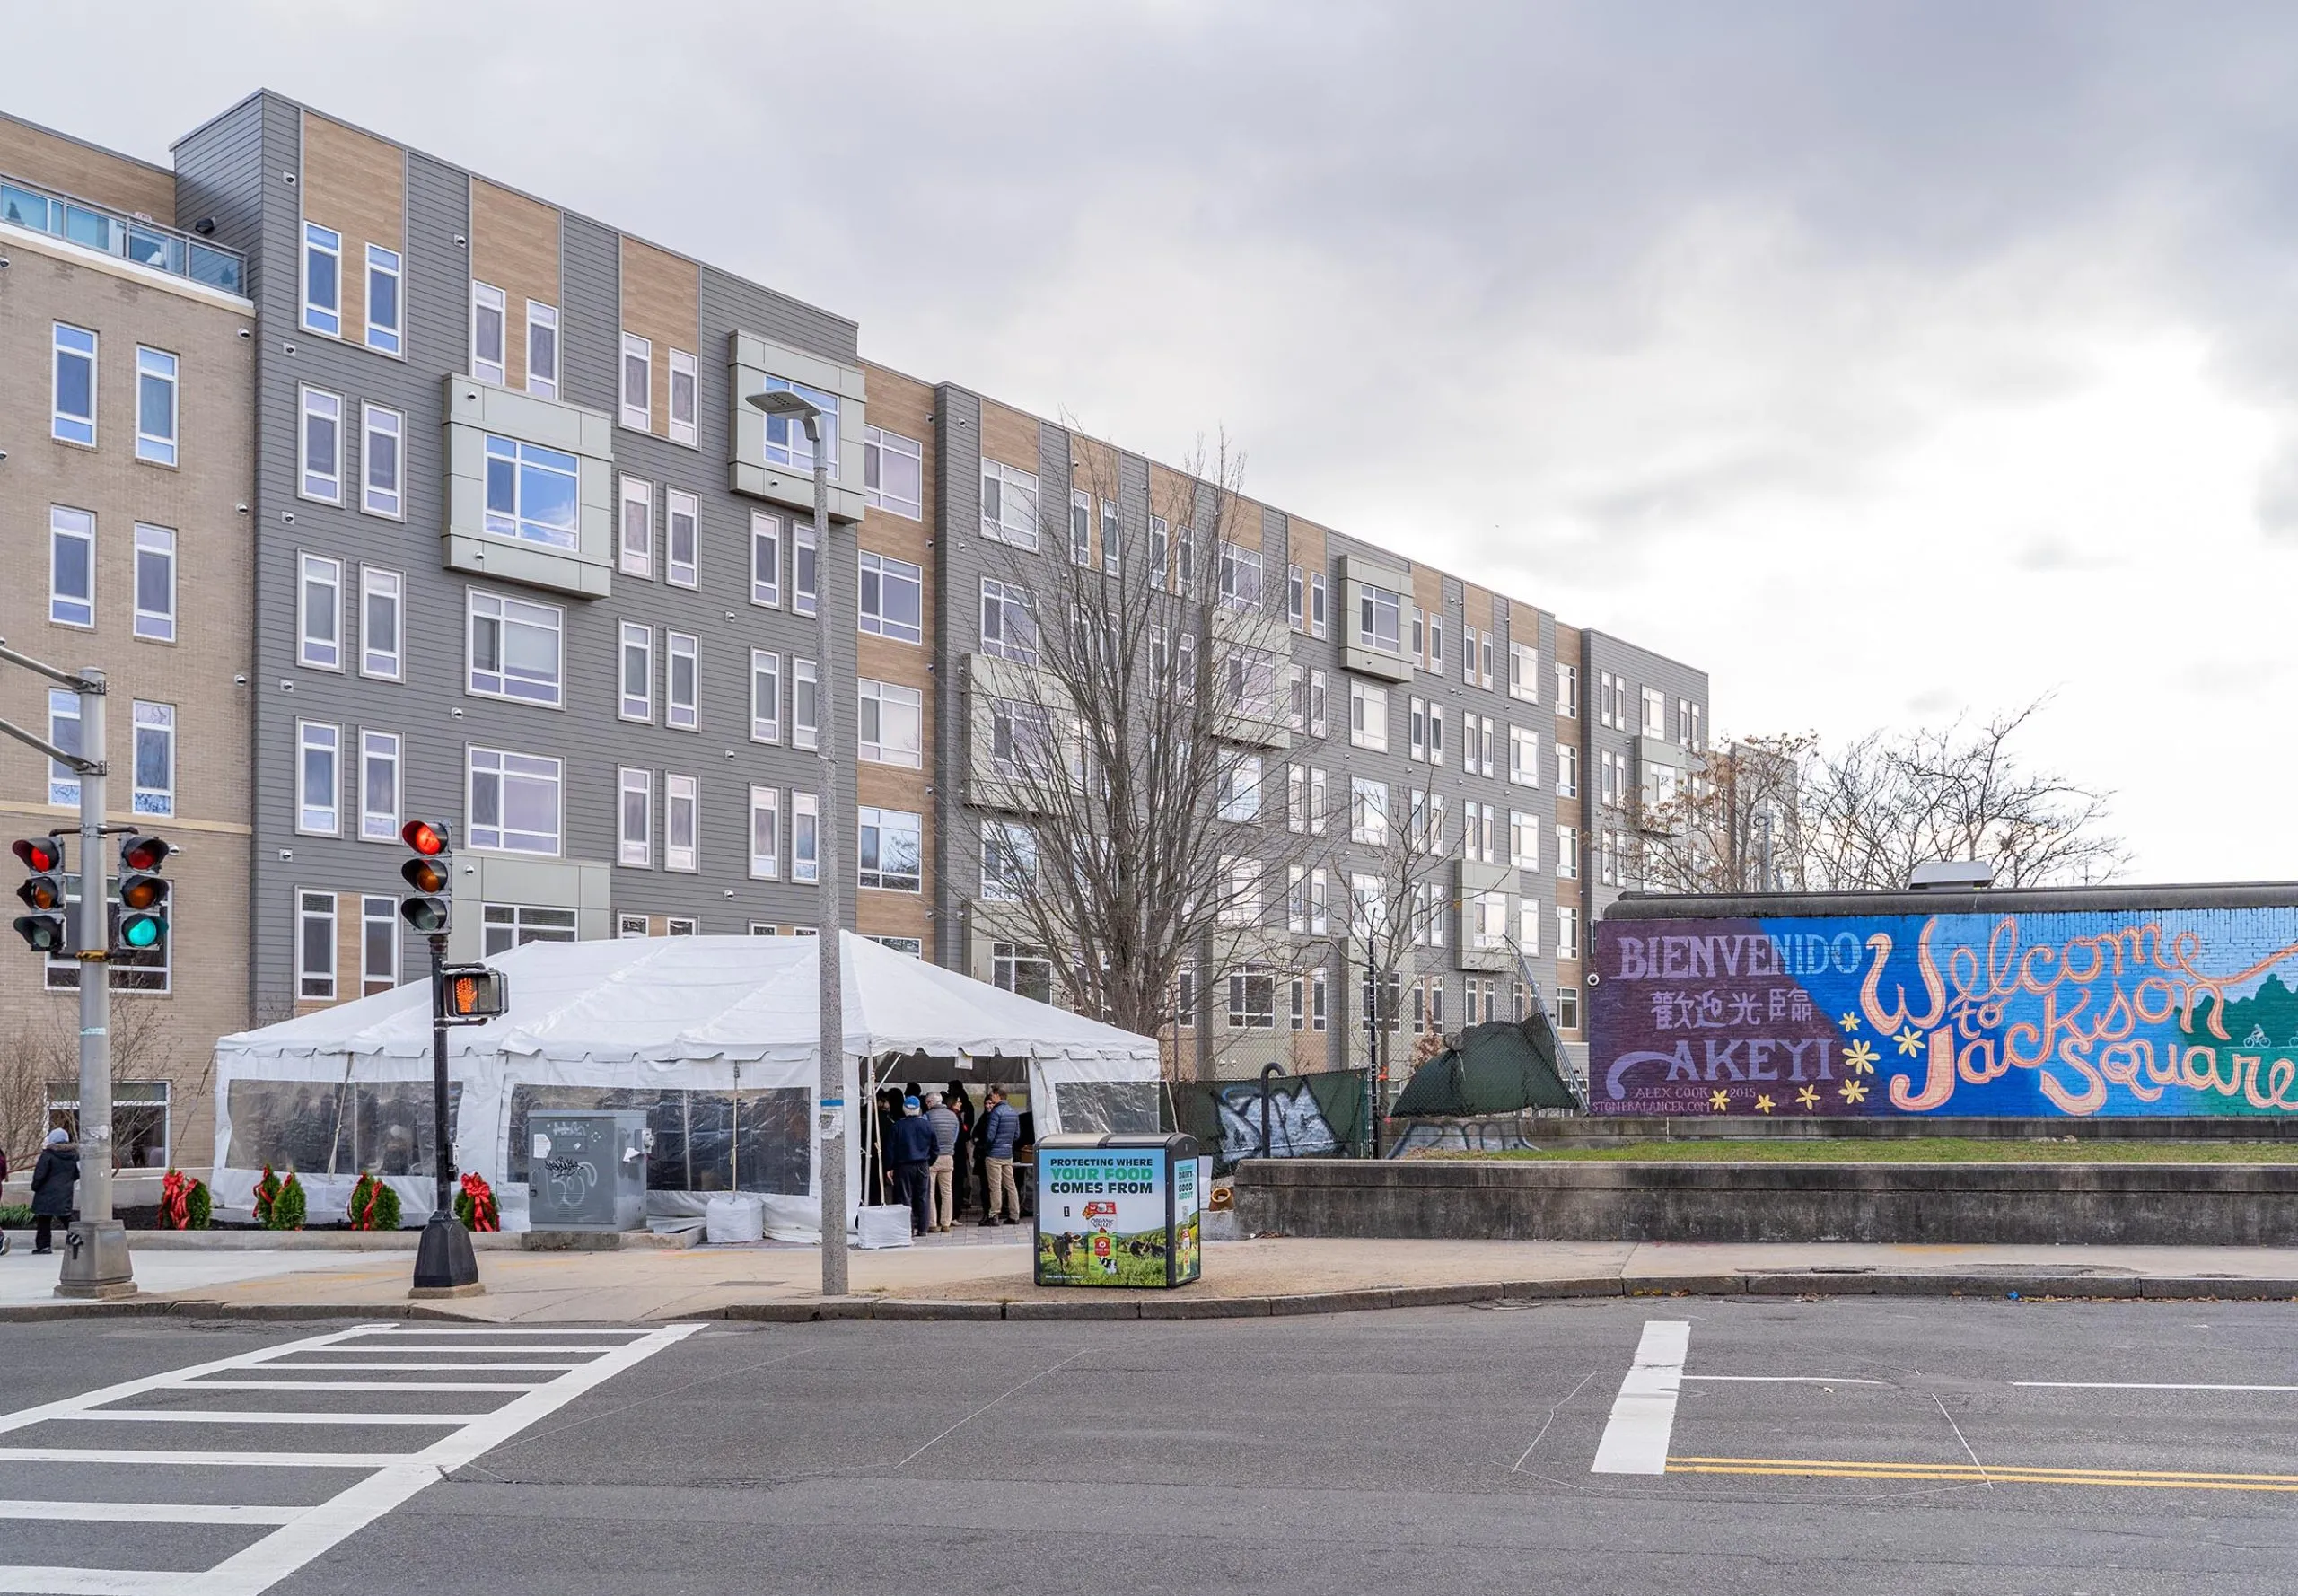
point(1399, 897)
point(1735, 825)
point(45, 1058)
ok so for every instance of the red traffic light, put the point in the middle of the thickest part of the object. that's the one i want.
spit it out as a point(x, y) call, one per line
point(145, 853)
point(41, 853)
point(426, 839)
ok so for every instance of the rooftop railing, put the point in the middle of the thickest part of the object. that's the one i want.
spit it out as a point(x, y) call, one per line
point(131, 238)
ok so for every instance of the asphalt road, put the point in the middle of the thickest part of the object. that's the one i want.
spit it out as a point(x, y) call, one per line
point(1853, 1445)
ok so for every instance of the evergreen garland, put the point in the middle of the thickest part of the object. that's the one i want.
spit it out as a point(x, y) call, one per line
point(374, 1206)
point(285, 1210)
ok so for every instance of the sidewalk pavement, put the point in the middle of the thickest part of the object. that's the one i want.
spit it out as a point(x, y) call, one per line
point(1269, 1276)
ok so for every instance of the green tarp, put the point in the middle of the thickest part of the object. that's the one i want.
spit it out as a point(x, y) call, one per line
point(1501, 1067)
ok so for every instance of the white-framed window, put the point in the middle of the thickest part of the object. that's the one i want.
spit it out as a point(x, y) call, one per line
point(627, 926)
point(513, 802)
point(892, 724)
point(891, 854)
point(1523, 757)
point(532, 494)
point(766, 833)
point(635, 538)
point(1567, 770)
point(634, 818)
point(1567, 852)
point(319, 778)
point(1316, 703)
point(1238, 783)
point(1416, 724)
point(634, 684)
point(805, 716)
point(156, 583)
point(1296, 899)
point(805, 836)
point(1008, 629)
point(377, 945)
point(1161, 550)
point(1378, 614)
point(379, 786)
point(64, 732)
point(1081, 527)
point(686, 398)
point(1025, 972)
point(913, 946)
point(1368, 716)
point(384, 300)
point(154, 758)
point(682, 688)
point(1021, 738)
point(1656, 712)
point(1296, 597)
point(1524, 840)
point(72, 394)
point(1567, 690)
point(787, 443)
point(319, 613)
point(1436, 733)
point(1316, 622)
point(766, 559)
point(1612, 772)
point(315, 949)
point(1567, 932)
point(1528, 927)
point(638, 381)
point(1486, 673)
point(1320, 810)
point(893, 472)
point(1243, 905)
point(71, 566)
point(1468, 655)
point(320, 441)
point(681, 827)
point(1252, 998)
point(322, 280)
point(489, 320)
point(506, 926)
point(1524, 672)
point(1240, 576)
point(1009, 861)
point(155, 406)
point(1112, 539)
point(1482, 838)
point(1368, 811)
point(382, 616)
point(542, 349)
point(893, 598)
point(382, 467)
point(1296, 799)
point(766, 695)
point(682, 539)
point(1009, 504)
point(805, 572)
point(1320, 901)
point(517, 649)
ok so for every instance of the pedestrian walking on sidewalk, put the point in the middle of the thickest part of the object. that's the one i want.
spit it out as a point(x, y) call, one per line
point(910, 1152)
point(945, 1127)
point(1000, 1129)
point(53, 1176)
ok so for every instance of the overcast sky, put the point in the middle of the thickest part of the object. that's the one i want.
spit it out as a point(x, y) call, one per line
point(1890, 362)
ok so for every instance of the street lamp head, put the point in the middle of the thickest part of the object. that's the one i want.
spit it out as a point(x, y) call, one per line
point(781, 402)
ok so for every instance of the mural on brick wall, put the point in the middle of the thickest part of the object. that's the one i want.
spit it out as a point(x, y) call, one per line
point(2098, 1013)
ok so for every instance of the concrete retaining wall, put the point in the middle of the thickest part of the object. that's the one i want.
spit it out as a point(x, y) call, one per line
point(2126, 1204)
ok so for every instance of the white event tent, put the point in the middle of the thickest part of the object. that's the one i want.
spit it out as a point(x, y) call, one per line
point(716, 1036)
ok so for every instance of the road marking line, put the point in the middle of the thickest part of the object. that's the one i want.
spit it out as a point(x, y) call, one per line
point(364, 1385)
point(202, 1460)
point(154, 1382)
point(367, 1349)
point(426, 1368)
point(90, 1582)
point(2139, 1385)
point(145, 1513)
point(1993, 1474)
point(381, 1329)
point(224, 1416)
point(1788, 1379)
point(1643, 1415)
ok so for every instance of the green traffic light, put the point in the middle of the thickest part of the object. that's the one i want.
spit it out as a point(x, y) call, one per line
point(142, 931)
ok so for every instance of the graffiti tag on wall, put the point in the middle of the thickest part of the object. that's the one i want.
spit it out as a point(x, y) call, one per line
point(2177, 1012)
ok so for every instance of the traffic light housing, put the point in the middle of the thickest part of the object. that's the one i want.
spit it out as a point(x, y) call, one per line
point(143, 893)
point(473, 994)
point(426, 876)
point(42, 892)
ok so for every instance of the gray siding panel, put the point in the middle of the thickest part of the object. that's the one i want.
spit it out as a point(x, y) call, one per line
point(590, 264)
point(759, 309)
point(220, 174)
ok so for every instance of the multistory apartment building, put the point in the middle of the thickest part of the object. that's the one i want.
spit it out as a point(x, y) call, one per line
point(517, 554)
point(127, 368)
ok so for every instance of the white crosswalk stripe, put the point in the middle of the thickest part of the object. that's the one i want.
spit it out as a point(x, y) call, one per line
point(299, 1533)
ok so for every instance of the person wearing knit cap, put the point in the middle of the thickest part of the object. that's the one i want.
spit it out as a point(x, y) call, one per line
point(910, 1153)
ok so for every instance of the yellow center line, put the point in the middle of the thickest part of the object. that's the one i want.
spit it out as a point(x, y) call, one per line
point(2008, 1474)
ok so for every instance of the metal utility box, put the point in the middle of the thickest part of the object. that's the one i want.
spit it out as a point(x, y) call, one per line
point(1118, 1211)
point(586, 1169)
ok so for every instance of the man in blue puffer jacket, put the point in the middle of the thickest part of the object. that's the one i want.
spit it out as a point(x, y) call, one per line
point(1000, 1129)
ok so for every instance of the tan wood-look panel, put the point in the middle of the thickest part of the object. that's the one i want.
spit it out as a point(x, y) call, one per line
point(899, 404)
point(1305, 539)
point(514, 247)
point(1010, 438)
point(67, 165)
point(661, 300)
point(356, 185)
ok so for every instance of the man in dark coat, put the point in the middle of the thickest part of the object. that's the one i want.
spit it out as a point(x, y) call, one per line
point(53, 1178)
point(910, 1153)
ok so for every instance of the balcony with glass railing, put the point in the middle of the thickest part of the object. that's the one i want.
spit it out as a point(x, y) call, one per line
point(131, 238)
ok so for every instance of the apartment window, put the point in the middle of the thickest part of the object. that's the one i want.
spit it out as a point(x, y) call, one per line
point(1296, 900)
point(805, 836)
point(1318, 812)
point(892, 724)
point(1009, 504)
point(1368, 716)
point(682, 535)
point(635, 540)
point(1486, 675)
point(766, 559)
point(1320, 902)
point(1316, 603)
point(1112, 539)
point(315, 946)
point(1568, 771)
point(1611, 771)
point(1243, 905)
point(1316, 703)
point(1417, 720)
point(156, 583)
point(1007, 628)
point(1185, 563)
point(1184, 997)
point(516, 649)
point(1567, 690)
point(64, 732)
point(320, 611)
point(1240, 576)
point(1468, 655)
point(634, 818)
point(1296, 597)
point(319, 778)
point(1524, 840)
point(1021, 738)
point(1009, 861)
point(542, 350)
point(154, 758)
point(805, 572)
point(893, 598)
point(1488, 834)
point(913, 947)
point(506, 926)
point(1368, 811)
point(322, 280)
point(787, 443)
point(321, 476)
point(155, 406)
point(378, 762)
point(513, 802)
point(378, 945)
point(1567, 932)
point(766, 695)
point(1023, 971)
point(1378, 612)
point(686, 398)
point(1567, 1009)
point(766, 833)
point(531, 494)
point(1252, 998)
point(1523, 757)
point(1524, 672)
point(71, 566)
point(382, 298)
point(627, 926)
point(1296, 799)
point(1160, 545)
point(637, 684)
point(1436, 735)
point(680, 799)
point(71, 417)
point(1567, 852)
point(682, 690)
point(1240, 786)
point(1081, 528)
point(487, 341)
point(891, 850)
point(1527, 928)
point(893, 472)
point(805, 718)
point(380, 467)
point(1656, 712)
point(638, 381)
